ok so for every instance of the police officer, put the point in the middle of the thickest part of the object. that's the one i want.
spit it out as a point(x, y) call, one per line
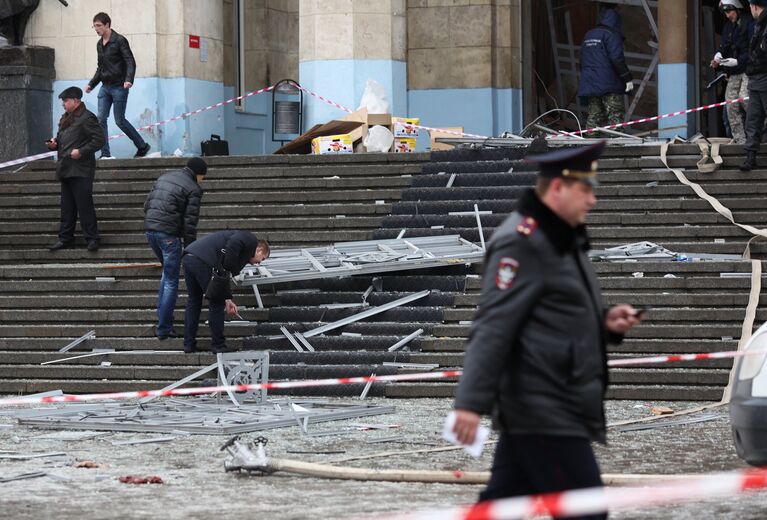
point(536, 354)
point(756, 70)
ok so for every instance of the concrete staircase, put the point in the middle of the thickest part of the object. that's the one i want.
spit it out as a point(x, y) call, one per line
point(48, 299)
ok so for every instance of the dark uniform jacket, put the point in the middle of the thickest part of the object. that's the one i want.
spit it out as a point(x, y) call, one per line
point(603, 64)
point(173, 205)
point(734, 44)
point(80, 130)
point(240, 247)
point(536, 356)
point(116, 64)
point(757, 55)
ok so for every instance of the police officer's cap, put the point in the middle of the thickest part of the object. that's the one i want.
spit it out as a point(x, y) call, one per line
point(71, 93)
point(571, 163)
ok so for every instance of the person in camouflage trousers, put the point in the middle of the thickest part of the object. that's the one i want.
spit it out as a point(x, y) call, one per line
point(605, 78)
point(732, 60)
point(605, 110)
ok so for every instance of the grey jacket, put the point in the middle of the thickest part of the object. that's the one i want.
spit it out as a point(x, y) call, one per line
point(173, 205)
point(536, 356)
point(79, 130)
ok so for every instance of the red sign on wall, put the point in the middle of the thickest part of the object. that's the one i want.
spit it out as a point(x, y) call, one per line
point(194, 41)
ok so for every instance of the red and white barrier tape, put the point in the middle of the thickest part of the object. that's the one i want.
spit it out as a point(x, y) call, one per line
point(655, 118)
point(13, 401)
point(599, 500)
point(185, 115)
point(589, 130)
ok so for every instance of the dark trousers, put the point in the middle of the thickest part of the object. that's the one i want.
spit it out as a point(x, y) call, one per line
point(535, 464)
point(197, 275)
point(755, 114)
point(77, 198)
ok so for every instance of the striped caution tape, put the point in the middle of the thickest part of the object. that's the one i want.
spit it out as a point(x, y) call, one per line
point(593, 501)
point(144, 128)
point(565, 134)
point(445, 374)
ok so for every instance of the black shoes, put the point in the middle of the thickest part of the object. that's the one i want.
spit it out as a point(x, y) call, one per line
point(172, 334)
point(59, 245)
point(221, 350)
point(141, 152)
point(750, 162)
point(93, 246)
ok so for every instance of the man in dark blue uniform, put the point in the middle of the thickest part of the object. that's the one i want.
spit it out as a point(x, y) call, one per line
point(536, 355)
point(756, 70)
point(605, 77)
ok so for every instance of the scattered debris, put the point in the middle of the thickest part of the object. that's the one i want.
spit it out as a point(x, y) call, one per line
point(23, 476)
point(390, 438)
point(135, 479)
point(661, 410)
point(678, 422)
point(26, 456)
point(131, 442)
point(404, 341)
point(242, 458)
point(88, 464)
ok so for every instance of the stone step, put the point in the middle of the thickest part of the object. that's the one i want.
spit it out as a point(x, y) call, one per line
point(133, 230)
point(229, 173)
point(221, 197)
point(657, 283)
point(631, 392)
point(656, 315)
point(651, 299)
point(210, 212)
point(643, 330)
point(212, 186)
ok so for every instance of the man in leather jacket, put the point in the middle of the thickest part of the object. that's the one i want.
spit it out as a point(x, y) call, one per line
point(756, 70)
point(116, 71)
point(171, 213)
point(76, 142)
point(228, 251)
point(536, 355)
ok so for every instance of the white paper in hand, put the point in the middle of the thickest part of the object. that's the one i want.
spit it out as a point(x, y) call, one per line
point(475, 449)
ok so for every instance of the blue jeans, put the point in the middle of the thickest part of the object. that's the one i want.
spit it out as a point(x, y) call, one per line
point(117, 96)
point(167, 249)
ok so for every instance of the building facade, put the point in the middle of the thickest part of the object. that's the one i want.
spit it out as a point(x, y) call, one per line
point(474, 64)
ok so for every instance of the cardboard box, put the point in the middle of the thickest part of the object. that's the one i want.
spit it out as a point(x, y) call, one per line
point(380, 119)
point(303, 143)
point(405, 126)
point(404, 144)
point(332, 144)
point(444, 132)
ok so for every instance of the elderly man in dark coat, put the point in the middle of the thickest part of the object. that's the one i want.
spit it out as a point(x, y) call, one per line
point(78, 139)
point(605, 78)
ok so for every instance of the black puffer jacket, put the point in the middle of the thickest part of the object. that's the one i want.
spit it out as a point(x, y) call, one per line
point(79, 130)
point(116, 64)
point(173, 205)
point(240, 247)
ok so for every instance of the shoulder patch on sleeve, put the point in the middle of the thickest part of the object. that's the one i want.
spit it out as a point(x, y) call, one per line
point(527, 227)
point(506, 272)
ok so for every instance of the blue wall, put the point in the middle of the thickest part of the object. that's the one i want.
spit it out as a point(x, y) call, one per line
point(344, 81)
point(675, 93)
point(482, 111)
